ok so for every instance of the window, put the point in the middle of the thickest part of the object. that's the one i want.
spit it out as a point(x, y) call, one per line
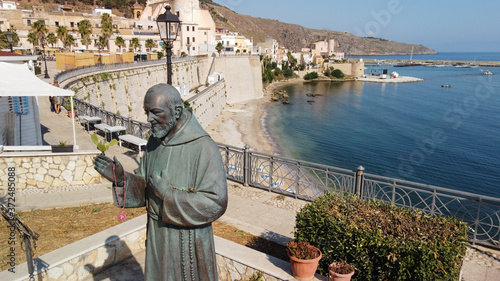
point(194, 28)
point(57, 23)
point(193, 39)
point(187, 41)
point(29, 23)
point(72, 24)
point(194, 48)
point(205, 33)
point(187, 28)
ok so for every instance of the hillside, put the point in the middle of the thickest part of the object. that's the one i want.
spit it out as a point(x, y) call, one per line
point(292, 36)
point(295, 37)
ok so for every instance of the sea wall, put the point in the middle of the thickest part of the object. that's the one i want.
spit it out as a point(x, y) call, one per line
point(122, 91)
point(43, 170)
point(209, 102)
point(243, 76)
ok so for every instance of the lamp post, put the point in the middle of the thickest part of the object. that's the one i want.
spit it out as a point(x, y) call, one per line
point(169, 27)
point(10, 38)
point(44, 57)
point(99, 48)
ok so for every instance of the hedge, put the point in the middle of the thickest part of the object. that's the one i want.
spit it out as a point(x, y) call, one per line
point(381, 241)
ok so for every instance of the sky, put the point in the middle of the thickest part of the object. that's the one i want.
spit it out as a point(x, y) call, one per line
point(442, 25)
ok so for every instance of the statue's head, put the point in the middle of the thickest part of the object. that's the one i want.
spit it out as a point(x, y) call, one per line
point(163, 106)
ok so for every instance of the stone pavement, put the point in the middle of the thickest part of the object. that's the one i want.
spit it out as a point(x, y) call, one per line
point(255, 211)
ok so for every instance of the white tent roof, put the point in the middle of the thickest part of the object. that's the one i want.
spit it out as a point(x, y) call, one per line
point(18, 80)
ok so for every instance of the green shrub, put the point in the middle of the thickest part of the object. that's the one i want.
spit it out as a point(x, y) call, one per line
point(381, 241)
point(105, 76)
point(311, 75)
point(337, 73)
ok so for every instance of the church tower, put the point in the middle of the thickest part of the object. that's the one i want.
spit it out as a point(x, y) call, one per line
point(137, 8)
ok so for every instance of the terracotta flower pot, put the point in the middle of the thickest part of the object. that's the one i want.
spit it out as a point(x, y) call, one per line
point(334, 276)
point(304, 270)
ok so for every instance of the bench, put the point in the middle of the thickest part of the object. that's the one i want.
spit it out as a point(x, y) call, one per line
point(109, 129)
point(133, 140)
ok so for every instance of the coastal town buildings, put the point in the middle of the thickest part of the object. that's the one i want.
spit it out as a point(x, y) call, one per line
point(198, 26)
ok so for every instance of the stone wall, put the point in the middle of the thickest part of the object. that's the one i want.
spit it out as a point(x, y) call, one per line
point(49, 170)
point(243, 76)
point(85, 258)
point(122, 91)
point(207, 104)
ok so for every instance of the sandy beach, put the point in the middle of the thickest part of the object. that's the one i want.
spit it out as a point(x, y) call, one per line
point(241, 123)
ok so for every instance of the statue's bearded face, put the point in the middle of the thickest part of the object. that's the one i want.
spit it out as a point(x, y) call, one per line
point(161, 116)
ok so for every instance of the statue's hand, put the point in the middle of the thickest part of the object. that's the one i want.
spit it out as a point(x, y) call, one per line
point(155, 182)
point(104, 165)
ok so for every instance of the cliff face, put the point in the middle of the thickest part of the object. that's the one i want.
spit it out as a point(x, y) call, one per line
point(295, 37)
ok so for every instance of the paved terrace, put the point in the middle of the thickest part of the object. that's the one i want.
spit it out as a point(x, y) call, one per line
point(252, 210)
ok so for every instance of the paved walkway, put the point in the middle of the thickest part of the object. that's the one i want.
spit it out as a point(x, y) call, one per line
point(255, 211)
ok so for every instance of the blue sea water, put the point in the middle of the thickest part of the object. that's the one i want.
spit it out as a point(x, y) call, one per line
point(420, 131)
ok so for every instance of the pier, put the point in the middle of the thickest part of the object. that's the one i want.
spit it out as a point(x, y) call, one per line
point(388, 79)
point(432, 62)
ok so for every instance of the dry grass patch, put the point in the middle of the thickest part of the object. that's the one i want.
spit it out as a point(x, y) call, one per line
point(62, 226)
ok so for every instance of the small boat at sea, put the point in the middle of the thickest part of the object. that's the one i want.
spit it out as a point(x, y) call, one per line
point(446, 85)
point(487, 72)
point(310, 101)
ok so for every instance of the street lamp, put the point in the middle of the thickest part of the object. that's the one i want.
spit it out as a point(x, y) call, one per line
point(99, 48)
point(45, 58)
point(169, 27)
point(10, 38)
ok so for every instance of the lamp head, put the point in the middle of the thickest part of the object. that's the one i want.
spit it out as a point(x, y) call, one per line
point(168, 25)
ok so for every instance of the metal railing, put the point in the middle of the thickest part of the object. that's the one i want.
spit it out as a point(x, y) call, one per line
point(306, 180)
point(136, 128)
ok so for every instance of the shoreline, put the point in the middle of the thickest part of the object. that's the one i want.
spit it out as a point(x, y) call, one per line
point(241, 123)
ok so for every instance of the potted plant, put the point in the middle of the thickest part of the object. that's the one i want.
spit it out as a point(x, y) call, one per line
point(71, 111)
point(341, 271)
point(304, 259)
point(62, 147)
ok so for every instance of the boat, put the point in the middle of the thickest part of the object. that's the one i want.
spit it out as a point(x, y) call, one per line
point(446, 85)
point(487, 72)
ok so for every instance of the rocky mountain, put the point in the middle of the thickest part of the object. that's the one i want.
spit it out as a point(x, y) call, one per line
point(295, 37)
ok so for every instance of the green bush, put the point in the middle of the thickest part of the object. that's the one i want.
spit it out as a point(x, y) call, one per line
point(337, 73)
point(311, 75)
point(381, 241)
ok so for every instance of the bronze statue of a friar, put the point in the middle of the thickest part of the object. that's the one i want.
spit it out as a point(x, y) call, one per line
point(182, 181)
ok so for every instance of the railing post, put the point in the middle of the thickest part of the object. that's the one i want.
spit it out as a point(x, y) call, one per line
point(129, 121)
point(359, 181)
point(246, 165)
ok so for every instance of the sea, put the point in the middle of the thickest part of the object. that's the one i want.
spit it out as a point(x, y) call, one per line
point(419, 131)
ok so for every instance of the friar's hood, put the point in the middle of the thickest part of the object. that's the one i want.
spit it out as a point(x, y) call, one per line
point(188, 132)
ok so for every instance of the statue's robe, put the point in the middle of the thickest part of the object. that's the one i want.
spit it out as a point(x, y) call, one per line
point(180, 244)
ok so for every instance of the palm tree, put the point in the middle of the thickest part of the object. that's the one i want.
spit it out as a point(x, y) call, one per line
point(219, 47)
point(39, 29)
point(70, 41)
point(62, 33)
point(150, 44)
point(32, 39)
point(85, 29)
point(51, 39)
point(107, 28)
point(134, 43)
point(119, 42)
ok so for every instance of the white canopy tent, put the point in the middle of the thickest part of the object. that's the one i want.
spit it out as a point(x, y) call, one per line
point(17, 80)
